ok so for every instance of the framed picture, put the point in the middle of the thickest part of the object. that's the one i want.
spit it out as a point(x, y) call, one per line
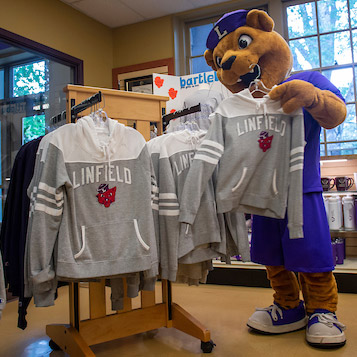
point(139, 84)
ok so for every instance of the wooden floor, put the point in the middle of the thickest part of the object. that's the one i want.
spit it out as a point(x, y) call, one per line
point(222, 309)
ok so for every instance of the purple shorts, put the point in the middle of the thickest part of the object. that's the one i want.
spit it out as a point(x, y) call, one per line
point(271, 244)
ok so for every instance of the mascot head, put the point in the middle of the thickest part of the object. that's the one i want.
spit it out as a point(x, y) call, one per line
point(242, 47)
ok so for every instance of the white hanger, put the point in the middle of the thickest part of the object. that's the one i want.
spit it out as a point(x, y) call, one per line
point(99, 116)
point(258, 84)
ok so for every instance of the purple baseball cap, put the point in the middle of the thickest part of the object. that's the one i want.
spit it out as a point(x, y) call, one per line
point(225, 25)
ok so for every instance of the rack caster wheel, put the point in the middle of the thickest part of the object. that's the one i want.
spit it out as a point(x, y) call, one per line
point(53, 345)
point(207, 347)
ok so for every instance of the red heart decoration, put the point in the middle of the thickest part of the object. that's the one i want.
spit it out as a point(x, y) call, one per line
point(159, 82)
point(172, 93)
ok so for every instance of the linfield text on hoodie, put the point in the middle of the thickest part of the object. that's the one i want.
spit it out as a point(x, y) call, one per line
point(259, 151)
point(92, 209)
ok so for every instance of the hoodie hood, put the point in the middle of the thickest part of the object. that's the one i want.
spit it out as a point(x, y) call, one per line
point(99, 141)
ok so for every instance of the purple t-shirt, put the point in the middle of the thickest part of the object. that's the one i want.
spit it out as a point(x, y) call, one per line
point(311, 174)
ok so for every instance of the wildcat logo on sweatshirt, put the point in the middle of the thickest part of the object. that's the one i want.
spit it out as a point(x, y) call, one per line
point(106, 195)
point(265, 140)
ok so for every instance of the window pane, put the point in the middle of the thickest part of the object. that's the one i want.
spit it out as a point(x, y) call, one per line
point(301, 20)
point(342, 149)
point(347, 130)
point(199, 65)
point(1, 84)
point(332, 15)
point(33, 127)
point(322, 150)
point(199, 36)
point(29, 79)
point(335, 49)
point(354, 41)
point(322, 138)
point(353, 12)
point(343, 80)
point(305, 53)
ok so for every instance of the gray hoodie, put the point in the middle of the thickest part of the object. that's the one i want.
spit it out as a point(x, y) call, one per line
point(92, 214)
point(259, 151)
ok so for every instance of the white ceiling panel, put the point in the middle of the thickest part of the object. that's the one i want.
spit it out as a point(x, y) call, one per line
point(156, 8)
point(112, 13)
point(115, 13)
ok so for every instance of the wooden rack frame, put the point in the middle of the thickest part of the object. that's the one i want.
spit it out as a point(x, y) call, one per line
point(76, 337)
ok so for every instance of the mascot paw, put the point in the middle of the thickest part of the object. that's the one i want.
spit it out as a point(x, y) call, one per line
point(294, 95)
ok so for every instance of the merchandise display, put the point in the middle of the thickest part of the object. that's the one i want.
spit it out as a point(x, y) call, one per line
point(14, 225)
point(87, 177)
point(199, 172)
point(247, 53)
point(207, 237)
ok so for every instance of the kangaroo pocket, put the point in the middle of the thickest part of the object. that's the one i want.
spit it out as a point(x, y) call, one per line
point(112, 241)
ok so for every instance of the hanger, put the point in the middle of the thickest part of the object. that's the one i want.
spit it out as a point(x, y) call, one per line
point(258, 84)
point(99, 115)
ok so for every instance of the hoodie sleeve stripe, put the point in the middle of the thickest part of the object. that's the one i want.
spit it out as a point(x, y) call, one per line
point(166, 196)
point(43, 197)
point(213, 144)
point(48, 210)
point(44, 187)
point(166, 212)
point(296, 167)
point(210, 151)
point(206, 158)
point(300, 157)
point(297, 150)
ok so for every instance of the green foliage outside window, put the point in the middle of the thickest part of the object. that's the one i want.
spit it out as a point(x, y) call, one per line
point(29, 79)
point(32, 127)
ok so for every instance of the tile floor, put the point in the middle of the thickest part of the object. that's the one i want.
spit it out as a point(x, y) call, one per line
point(224, 310)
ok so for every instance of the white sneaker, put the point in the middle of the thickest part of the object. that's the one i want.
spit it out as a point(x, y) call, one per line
point(275, 319)
point(324, 330)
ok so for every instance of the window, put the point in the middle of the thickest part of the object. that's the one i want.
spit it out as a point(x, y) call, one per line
point(198, 33)
point(31, 93)
point(29, 79)
point(322, 36)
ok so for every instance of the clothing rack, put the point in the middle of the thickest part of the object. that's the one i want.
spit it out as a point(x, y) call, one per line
point(180, 113)
point(75, 110)
point(76, 337)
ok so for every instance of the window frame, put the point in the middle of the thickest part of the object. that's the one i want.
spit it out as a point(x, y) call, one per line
point(40, 52)
point(321, 69)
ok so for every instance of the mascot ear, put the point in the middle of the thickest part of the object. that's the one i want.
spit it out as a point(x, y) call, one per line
point(209, 59)
point(260, 20)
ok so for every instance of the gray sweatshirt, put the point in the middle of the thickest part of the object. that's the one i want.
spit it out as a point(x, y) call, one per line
point(173, 154)
point(92, 208)
point(259, 151)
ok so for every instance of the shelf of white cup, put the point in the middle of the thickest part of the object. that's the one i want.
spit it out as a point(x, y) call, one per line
point(330, 193)
point(349, 266)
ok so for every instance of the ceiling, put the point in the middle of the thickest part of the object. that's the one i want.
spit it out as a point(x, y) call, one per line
point(116, 13)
